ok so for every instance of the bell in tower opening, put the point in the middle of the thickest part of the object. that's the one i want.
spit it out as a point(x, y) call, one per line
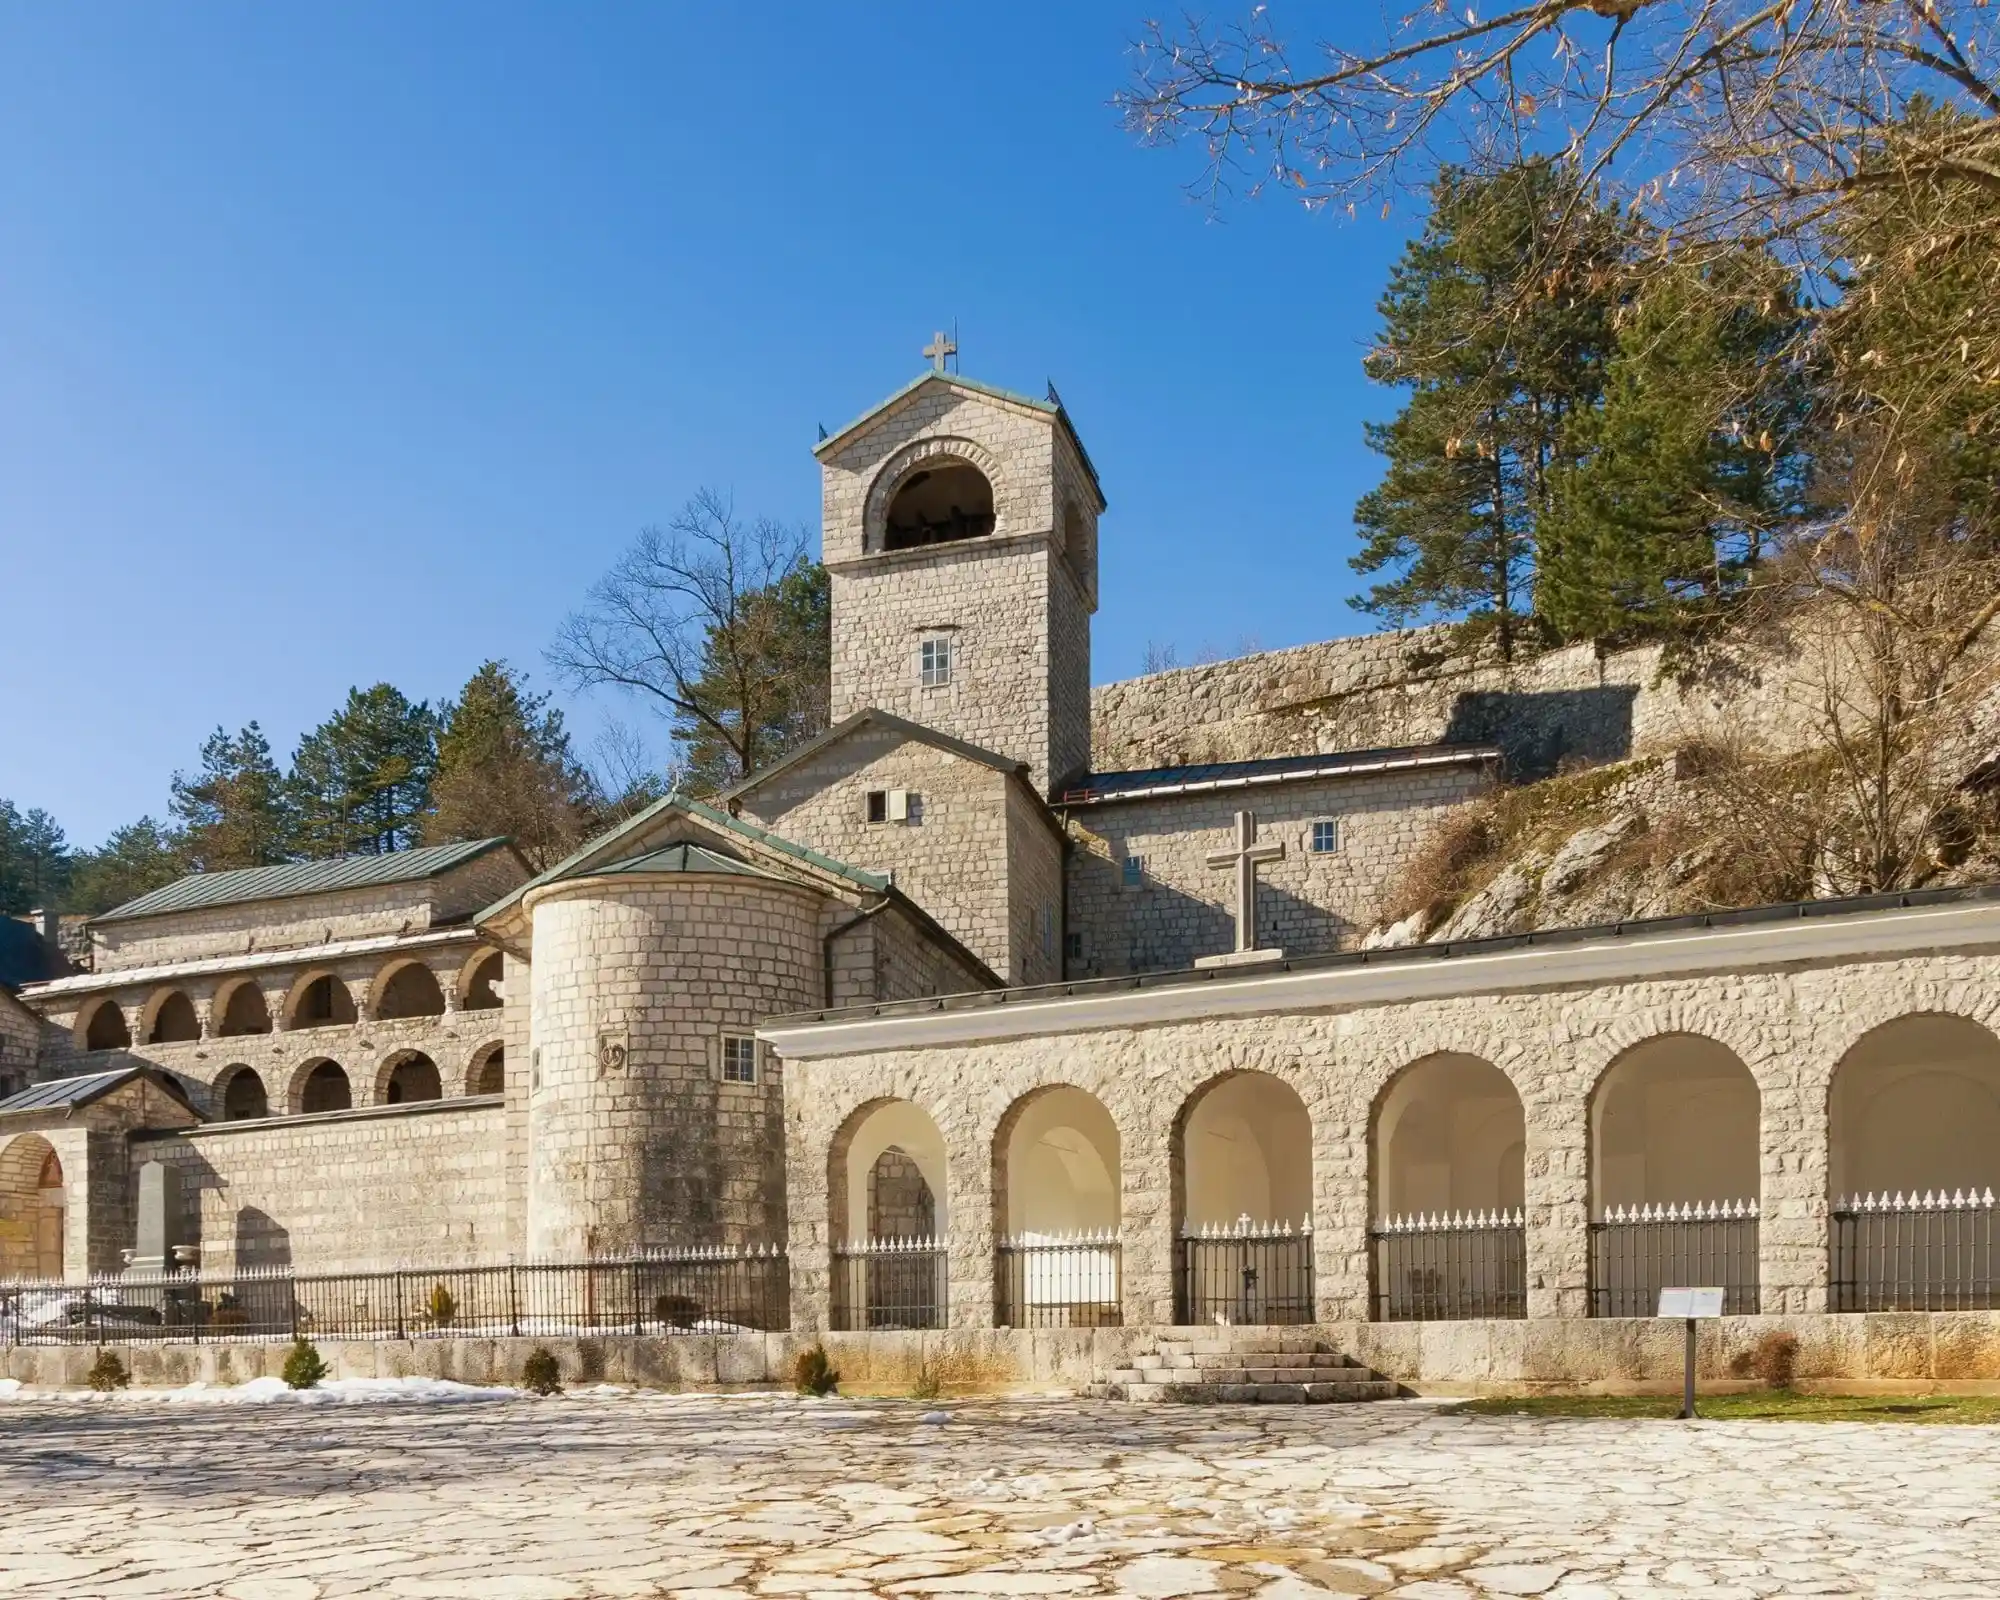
point(952, 501)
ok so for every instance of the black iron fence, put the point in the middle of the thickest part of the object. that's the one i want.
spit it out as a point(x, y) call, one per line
point(1929, 1252)
point(1636, 1251)
point(1058, 1281)
point(880, 1284)
point(1246, 1273)
point(1446, 1267)
point(720, 1289)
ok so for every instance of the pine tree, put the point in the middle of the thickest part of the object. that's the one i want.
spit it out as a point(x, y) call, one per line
point(1498, 321)
point(1696, 456)
point(35, 860)
point(236, 811)
point(504, 766)
point(360, 781)
point(136, 859)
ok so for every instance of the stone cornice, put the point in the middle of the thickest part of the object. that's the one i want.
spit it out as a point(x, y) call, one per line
point(1385, 978)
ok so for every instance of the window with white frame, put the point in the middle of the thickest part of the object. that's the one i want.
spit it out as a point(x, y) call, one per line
point(1323, 838)
point(739, 1058)
point(1132, 871)
point(934, 661)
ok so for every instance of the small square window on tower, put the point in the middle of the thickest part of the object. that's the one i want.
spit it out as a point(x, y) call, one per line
point(739, 1059)
point(1132, 871)
point(878, 805)
point(1325, 837)
point(934, 661)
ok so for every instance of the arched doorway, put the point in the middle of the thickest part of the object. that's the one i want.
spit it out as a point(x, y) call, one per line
point(243, 1095)
point(1056, 1192)
point(488, 1074)
point(321, 1002)
point(1674, 1178)
point(32, 1209)
point(1447, 1153)
point(411, 991)
point(409, 1077)
point(1913, 1125)
point(482, 989)
point(174, 1020)
point(323, 1086)
point(1243, 1201)
point(244, 1013)
point(888, 1198)
point(106, 1029)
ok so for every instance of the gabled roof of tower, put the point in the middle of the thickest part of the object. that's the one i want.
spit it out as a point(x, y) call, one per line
point(610, 852)
point(201, 890)
point(887, 719)
point(1051, 408)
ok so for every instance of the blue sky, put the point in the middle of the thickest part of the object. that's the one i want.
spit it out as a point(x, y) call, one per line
point(344, 343)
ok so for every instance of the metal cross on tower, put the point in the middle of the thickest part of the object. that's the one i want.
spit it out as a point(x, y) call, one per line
point(939, 348)
point(1246, 858)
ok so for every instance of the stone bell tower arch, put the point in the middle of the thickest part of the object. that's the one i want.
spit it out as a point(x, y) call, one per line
point(960, 536)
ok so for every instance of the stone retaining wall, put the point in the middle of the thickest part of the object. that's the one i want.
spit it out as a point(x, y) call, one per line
point(1899, 1352)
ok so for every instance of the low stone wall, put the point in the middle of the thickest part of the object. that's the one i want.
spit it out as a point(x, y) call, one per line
point(1899, 1352)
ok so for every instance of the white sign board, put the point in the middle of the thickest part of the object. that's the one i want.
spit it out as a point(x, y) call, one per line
point(1690, 1302)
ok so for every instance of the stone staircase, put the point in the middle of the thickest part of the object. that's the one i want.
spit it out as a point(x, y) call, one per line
point(1244, 1366)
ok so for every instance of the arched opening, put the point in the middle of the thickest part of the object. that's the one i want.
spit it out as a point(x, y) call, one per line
point(323, 1087)
point(888, 1198)
point(106, 1029)
point(482, 989)
point(412, 991)
point(411, 1077)
point(1446, 1157)
point(1915, 1108)
point(31, 1209)
point(1056, 1191)
point(938, 504)
point(1674, 1175)
point(489, 1072)
point(243, 1096)
point(322, 1002)
point(174, 1021)
point(1243, 1192)
point(244, 1013)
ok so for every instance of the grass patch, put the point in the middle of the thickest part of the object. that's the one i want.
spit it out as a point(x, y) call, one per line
point(1756, 1406)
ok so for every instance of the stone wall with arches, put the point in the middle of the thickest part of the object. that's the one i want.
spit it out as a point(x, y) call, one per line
point(1754, 1052)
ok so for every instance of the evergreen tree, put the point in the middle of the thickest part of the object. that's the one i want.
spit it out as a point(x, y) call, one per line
point(1696, 456)
point(136, 859)
point(35, 861)
point(1498, 322)
point(235, 811)
point(360, 781)
point(504, 766)
point(776, 657)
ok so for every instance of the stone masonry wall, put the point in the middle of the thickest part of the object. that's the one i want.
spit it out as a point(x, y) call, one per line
point(634, 1139)
point(1306, 904)
point(1790, 1028)
point(955, 863)
point(20, 1043)
point(345, 1190)
point(1387, 689)
point(1035, 855)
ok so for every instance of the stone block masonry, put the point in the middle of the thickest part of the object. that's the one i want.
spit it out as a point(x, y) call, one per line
point(344, 1190)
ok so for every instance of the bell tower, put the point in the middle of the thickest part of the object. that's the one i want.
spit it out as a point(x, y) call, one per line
point(960, 537)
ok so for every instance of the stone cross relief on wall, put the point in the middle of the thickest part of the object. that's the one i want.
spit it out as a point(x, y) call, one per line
point(1245, 858)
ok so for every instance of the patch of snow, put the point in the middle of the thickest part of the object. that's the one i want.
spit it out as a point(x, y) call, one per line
point(934, 1419)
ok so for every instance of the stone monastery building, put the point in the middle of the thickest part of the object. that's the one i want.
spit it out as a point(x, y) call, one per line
point(996, 962)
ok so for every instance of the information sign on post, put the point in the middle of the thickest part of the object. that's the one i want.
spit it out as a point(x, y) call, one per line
point(1691, 1306)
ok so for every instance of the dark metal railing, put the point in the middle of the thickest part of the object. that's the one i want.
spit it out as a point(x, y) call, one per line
point(1452, 1266)
point(889, 1283)
point(708, 1289)
point(1929, 1252)
point(1058, 1281)
point(1636, 1251)
point(1246, 1273)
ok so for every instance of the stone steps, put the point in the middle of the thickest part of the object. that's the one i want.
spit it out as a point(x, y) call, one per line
point(1243, 1368)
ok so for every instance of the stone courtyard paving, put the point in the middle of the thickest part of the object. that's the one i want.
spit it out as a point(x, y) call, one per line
point(693, 1496)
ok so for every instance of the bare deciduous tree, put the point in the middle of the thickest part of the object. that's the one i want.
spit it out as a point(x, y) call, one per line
point(696, 617)
point(1717, 118)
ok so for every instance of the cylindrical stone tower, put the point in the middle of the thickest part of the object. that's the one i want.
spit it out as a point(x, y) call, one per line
point(637, 1136)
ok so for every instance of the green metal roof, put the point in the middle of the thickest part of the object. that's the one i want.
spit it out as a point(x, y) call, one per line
point(683, 858)
point(70, 1094)
point(202, 890)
